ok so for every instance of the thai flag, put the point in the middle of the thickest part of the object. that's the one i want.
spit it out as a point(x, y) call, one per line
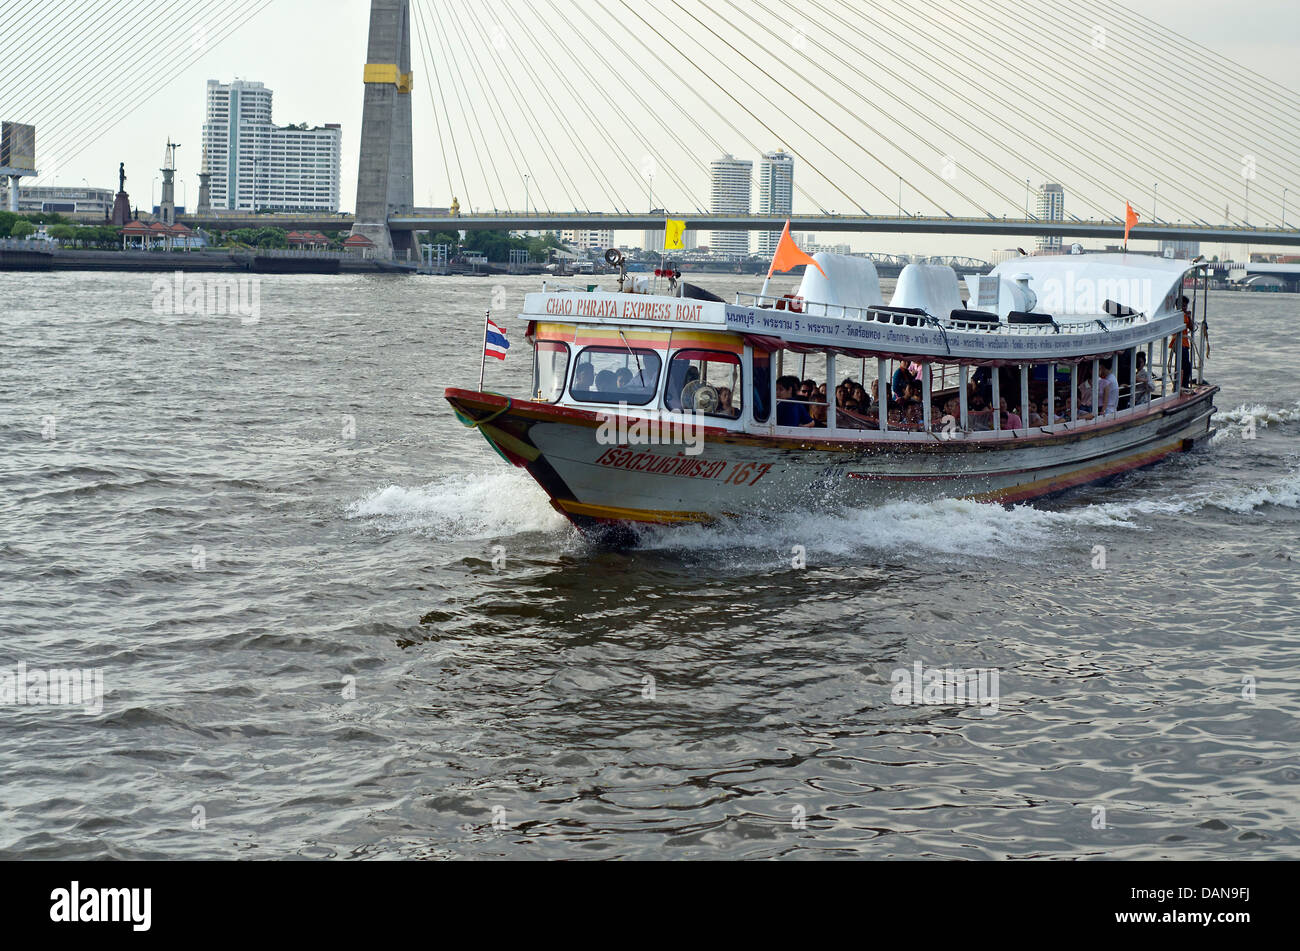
point(496, 343)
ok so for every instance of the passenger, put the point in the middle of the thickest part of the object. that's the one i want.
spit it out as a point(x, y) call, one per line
point(1145, 385)
point(789, 412)
point(902, 377)
point(1108, 391)
point(583, 378)
point(724, 405)
point(1189, 327)
point(606, 382)
point(952, 408)
point(1085, 398)
point(818, 412)
point(623, 379)
point(1010, 420)
point(821, 394)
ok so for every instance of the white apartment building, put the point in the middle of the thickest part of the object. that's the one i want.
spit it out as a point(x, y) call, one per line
point(584, 241)
point(256, 164)
point(731, 194)
point(1051, 207)
point(775, 195)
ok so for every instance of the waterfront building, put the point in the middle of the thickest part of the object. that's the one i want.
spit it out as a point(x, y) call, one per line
point(775, 195)
point(254, 164)
point(731, 193)
point(585, 241)
point(59, 199)
point(1051, 207)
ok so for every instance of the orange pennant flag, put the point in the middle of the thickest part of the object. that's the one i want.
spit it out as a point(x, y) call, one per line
point(1130, 221)
point(788, 256)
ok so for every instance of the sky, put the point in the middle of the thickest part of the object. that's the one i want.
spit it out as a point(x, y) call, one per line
point(954, 105)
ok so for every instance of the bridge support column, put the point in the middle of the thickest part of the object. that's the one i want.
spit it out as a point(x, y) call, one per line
point(385, 180)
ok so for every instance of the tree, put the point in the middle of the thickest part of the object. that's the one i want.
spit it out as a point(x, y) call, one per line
point(63, 232)
point(22, 229)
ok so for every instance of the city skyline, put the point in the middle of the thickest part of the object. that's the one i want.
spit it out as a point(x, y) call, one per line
point(330, 32)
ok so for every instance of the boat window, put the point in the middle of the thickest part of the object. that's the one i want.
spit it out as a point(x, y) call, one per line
point(706, 382)
point(615, 375)
point(550, 369)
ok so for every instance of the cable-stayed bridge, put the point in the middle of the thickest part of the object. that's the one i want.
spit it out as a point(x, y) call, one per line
point(902, 116)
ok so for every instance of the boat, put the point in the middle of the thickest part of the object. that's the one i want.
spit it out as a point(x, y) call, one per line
point(661, 404)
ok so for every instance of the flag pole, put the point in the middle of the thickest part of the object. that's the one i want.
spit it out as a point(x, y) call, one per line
point(482, 365)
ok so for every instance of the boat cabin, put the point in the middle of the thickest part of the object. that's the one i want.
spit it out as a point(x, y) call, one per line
point(1040, 345)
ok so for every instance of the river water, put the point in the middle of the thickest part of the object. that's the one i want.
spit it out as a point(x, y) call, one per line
point(332, 623)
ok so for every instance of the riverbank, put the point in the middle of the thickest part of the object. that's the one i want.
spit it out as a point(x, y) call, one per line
point(254, 262)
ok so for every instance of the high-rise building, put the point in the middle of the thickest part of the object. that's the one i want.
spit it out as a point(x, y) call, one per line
point(653, 240)
point(731, 194)
point(255, 164)
point(1051, 207)
point(775, 195)
point(588, 240)
point(1181, 249)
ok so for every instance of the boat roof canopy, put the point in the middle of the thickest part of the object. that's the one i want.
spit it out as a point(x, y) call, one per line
point(843, 281)
point(1079, 285)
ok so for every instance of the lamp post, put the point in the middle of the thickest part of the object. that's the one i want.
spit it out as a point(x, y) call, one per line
point(153, 202)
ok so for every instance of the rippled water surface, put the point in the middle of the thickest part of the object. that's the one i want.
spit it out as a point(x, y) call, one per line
point(202, 528)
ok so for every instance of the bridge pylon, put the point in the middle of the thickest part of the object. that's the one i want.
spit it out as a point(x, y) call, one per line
point(386, 177)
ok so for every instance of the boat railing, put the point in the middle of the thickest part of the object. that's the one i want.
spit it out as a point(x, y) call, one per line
point(883, 314)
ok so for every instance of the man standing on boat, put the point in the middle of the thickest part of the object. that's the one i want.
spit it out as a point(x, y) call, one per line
point(1189, 327)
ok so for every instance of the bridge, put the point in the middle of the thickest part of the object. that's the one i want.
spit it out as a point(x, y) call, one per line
point(1069, 231)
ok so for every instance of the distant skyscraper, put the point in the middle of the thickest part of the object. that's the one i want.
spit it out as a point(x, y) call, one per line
point(1182, 249)
point(254, 164)
point(1051, 207)
point(731, 194)
point(775, 195)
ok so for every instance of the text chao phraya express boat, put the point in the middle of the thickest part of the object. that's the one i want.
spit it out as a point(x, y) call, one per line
point(663, 404)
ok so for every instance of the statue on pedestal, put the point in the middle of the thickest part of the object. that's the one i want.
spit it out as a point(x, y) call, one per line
point(121, 204)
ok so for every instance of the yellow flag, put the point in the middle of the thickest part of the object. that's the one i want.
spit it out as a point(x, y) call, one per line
point(673, 235)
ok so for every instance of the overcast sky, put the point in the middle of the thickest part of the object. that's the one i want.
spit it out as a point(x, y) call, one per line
point(863, 91)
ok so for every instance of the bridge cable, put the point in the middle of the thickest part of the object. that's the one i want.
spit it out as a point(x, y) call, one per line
point(462, 97)
point(705, 101)
point(977, 106)
point(1112, 95)
point(69, 110)
point(804, 103)
point(493, 106)
point(651, 149)
point(649, 109)
point(230, 25)
point(422, 47)
point(868, 102)
point(26, 63)
point(534, 124)
point(1262, 83)
point(597, 170)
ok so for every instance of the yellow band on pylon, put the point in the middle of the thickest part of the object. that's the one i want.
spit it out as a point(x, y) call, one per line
point(388, 74)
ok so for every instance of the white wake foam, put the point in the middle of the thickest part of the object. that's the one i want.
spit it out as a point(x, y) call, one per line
point(497, 504)
point(1262, 416)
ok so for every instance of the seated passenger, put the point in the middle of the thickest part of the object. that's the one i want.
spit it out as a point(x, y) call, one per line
point(789, 412)
point(901, 380)
point(1145, 385)
point(583, 378)
point(1010, 420)
point(623, 378)
point(606, 381)
point(818, 412)
point(724, 405)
